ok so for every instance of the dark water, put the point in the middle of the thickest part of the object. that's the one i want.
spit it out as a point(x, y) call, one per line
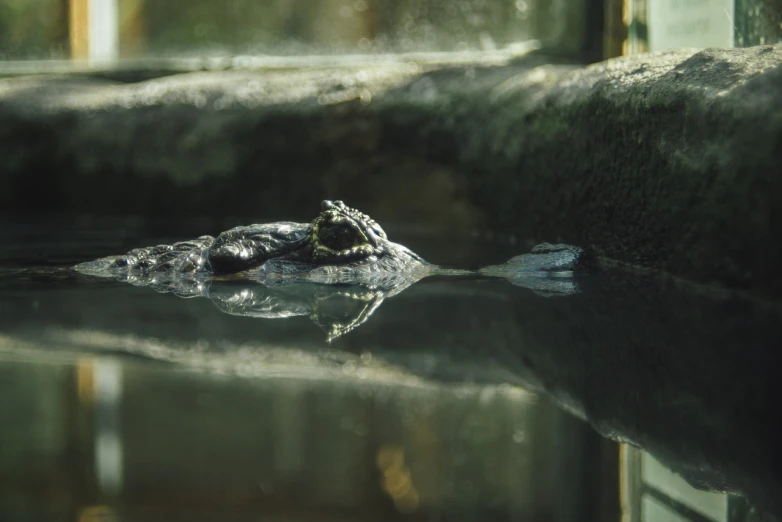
point(454, 399)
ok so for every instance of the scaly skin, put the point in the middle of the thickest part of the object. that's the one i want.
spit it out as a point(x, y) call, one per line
point(340, 246)
point(279, 262)
point(340, 241)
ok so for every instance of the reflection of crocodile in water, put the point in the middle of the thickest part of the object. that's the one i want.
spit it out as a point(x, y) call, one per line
point(273, 270)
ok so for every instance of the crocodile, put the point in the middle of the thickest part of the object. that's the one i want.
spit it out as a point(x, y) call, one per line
point(279, 269)
point(341, 245)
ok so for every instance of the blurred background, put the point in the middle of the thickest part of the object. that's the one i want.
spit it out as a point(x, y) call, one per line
point(61, 29)
point(590, 30)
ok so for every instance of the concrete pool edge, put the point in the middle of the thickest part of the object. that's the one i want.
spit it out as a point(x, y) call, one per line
point(666, 161)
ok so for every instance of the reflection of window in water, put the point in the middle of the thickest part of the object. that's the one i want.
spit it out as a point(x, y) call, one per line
point(99, 385)
point(653, 493)
point(372, 442)
point(97, 513)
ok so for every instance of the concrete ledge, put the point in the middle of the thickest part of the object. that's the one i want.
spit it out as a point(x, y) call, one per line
point(667, 161)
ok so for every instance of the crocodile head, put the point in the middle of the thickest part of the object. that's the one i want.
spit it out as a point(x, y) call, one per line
point(341, 245)
point(339, 240)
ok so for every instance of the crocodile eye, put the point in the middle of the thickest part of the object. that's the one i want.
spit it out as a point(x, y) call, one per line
point(338, 237)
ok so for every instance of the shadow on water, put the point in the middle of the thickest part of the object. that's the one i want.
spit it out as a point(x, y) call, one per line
point(445, 398)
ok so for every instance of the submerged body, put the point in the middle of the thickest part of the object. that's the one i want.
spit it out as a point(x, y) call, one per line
point(341, 245)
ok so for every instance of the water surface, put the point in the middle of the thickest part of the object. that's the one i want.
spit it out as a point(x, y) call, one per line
point(454, 399)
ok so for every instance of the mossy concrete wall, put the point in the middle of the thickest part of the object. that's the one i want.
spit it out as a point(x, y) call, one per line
point(668, 161)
